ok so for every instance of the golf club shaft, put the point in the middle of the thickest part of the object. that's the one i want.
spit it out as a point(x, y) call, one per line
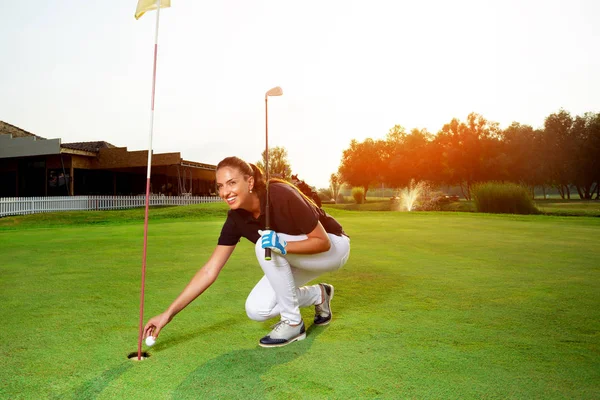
point(267, 222)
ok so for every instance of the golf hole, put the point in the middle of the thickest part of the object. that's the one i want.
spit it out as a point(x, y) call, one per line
point(134, 356)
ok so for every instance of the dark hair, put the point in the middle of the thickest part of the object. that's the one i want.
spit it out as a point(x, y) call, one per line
point(247, 169)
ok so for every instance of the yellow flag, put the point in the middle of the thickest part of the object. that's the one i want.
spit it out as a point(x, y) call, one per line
point(147, 5)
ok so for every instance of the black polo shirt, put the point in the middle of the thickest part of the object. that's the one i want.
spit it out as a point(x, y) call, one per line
point(291, 213)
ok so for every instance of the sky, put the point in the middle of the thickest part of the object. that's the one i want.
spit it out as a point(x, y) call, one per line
point(82, 71)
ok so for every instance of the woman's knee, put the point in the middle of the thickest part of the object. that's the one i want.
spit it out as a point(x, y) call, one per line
point(257, 313)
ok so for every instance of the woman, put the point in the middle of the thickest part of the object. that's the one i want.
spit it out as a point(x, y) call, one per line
point(305, 243)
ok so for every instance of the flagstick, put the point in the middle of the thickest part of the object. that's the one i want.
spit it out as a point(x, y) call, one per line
point(148, 187)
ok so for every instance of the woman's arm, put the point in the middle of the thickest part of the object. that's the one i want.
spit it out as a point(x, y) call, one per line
point(199, 283)
point(317, 242)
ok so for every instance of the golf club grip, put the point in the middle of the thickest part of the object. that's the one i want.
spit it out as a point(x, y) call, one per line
point(267, 254)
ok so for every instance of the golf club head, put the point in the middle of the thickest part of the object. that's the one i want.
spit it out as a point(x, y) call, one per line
point(276, 91)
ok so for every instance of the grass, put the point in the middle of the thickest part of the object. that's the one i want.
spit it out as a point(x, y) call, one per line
point(556, 207)
point(111, 217)
point(590, 208)
point(430, 305)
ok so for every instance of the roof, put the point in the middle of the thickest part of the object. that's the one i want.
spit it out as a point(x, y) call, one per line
point(194, 164)
point(8, 129)
point(93, 147)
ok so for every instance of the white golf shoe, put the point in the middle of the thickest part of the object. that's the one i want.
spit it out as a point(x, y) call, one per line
point(282, 334)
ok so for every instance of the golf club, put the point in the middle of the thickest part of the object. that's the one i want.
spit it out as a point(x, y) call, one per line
point(276, 91)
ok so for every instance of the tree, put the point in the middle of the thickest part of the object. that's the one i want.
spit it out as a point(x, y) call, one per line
point(396, 159)
point(335, 184)
point(362, 163)
point(470, 152)
point(426, 156)
point(408, 156)
point(279, 166)
point(560, 149)
point(585, 133)
point(523, 156)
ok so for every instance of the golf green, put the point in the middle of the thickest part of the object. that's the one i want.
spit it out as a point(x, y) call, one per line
point(429, 306)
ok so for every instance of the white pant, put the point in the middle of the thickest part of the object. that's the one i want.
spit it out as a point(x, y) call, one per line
point(280, 291)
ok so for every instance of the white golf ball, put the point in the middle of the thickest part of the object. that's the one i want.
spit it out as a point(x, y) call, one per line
point(150, 340)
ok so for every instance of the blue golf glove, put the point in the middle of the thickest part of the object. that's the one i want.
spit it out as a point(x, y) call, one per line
point(270, 239)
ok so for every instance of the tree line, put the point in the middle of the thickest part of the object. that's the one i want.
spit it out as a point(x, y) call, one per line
point(564, 154)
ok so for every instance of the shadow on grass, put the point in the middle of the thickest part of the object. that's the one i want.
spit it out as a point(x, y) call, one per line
point(92, 388)
point(238, 374)
point(174, 341)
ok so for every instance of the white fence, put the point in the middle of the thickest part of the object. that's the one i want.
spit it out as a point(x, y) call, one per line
point(33, 205)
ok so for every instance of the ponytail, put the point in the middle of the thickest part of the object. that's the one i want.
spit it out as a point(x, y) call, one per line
point(311, 201)
point(259, 181)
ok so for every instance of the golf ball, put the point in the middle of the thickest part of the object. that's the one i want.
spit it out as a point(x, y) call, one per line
point(150, 340)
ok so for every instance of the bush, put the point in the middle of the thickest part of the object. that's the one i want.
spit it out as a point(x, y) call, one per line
point(502, 198)
point(358, 194)
point(325, 194)
point(340, 199)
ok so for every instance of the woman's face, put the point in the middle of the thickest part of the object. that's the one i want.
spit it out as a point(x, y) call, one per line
point(234, 188)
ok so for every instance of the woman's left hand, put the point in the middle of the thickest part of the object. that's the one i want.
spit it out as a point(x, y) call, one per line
point(270, 239)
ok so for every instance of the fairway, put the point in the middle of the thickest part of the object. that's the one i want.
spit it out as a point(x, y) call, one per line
point(429, 306)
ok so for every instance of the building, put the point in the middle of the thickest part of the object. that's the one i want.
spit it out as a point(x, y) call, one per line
point(31, 165)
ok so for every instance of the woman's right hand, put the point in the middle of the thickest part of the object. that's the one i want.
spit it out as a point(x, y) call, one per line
point(155, 324)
